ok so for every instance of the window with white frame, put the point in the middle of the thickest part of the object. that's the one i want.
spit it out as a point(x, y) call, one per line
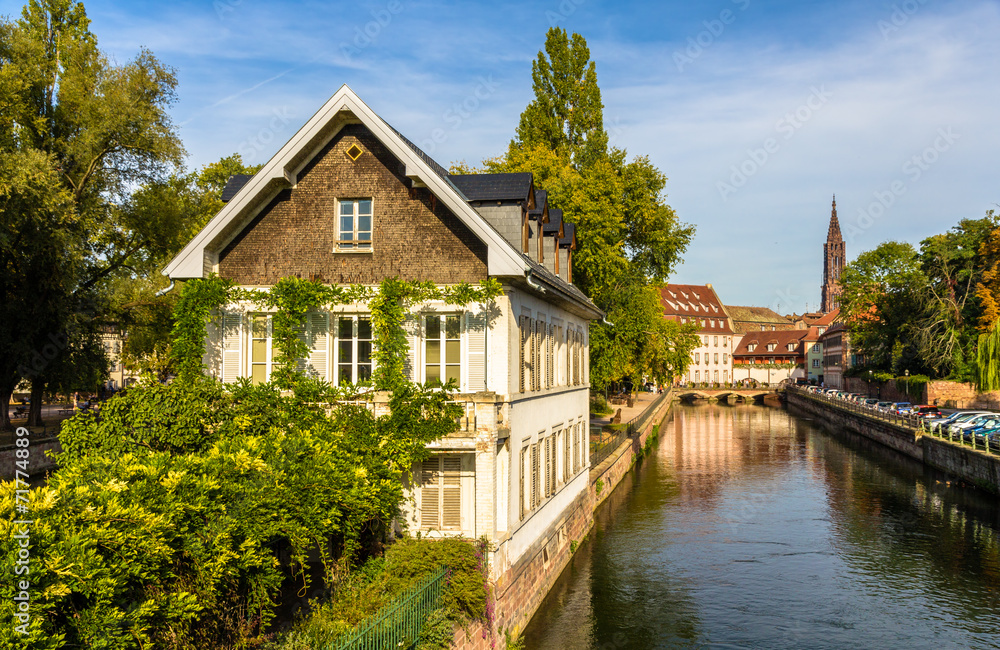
point(260, 348)
point(442, 348)
point(354, 350)
point(354, 225)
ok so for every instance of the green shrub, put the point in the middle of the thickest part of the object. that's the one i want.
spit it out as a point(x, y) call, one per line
point(599, 405)
point(167, 518)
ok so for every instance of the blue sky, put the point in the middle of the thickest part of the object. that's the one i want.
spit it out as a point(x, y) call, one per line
point(756, 111)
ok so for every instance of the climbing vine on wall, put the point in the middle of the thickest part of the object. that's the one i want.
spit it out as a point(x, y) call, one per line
point(293, 298)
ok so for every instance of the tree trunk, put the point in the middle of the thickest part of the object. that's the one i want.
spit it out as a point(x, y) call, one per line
point(35, 409)
point(5, 424)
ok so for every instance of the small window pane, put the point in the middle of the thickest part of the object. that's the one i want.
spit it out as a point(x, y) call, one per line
point(433, 352)
point(347, 207)
point(365, 222)
point(452, 372)
point(433, 327)
point(434, 373)
point(345, 375)
point(364, 352)
point(453, 327)
point(346, 225)
point(259, 354)
point(364, 328)
point(260, 327)
point(365, 206)
point(345, 329)
point(346, 352)
point(258, 373)
point(453, 352)
point(364, 373)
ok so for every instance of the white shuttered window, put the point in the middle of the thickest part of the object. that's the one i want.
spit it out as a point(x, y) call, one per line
point(441, 493)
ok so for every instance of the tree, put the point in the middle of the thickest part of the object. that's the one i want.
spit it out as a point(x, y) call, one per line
point(881, 292)
point(628, 239)
point(92, 130)
point(567, 115)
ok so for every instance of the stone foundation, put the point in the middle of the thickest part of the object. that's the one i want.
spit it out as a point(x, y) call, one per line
point(39, 462)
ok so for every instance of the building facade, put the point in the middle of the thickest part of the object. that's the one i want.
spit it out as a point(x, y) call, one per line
point(711, 362)
point(349, 200)
point(770, 357)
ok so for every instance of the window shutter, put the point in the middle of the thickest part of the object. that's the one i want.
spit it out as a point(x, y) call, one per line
point(550, 466)
point(430, 494)
point(319, 345)
point(232, 346)
point(576, 449)
point(566, 455)
point(475, 336)
point(522, 372)
point(523, 472)
point(534, 475)
point(451, 498)
point(533, 352)
point(549, 356)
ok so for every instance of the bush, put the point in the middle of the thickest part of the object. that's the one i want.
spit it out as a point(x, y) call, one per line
point(382, 580)
point(599, 405)
point(168, 518)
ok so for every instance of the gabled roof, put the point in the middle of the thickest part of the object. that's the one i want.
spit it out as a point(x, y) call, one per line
point(281, 171)
point(750, 319)
point(554, 225)
point(504, 259)
point(780, 338)
point(569, 238)
point(827, 319)
point(494, 187)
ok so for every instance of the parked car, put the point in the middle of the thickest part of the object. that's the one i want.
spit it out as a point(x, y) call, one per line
point(884, 406)
point(926, 411)
point(901, 408)
point(979, 432)
point(957, 416)
point(960, 425)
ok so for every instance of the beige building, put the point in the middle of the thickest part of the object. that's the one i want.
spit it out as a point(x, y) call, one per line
point(711, 362)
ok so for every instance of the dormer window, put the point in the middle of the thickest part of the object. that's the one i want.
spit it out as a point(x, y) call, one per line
point(751, 347)
point(791, 347)
point(771, 346)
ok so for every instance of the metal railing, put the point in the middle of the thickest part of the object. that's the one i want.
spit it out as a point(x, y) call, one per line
point(398, 626)
point(612, 436)
point(917, 424)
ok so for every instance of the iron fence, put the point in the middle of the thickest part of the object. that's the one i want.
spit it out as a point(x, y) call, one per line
point(612, 436)
point(398, 626)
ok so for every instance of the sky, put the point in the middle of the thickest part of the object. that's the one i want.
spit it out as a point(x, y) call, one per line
point(758, 112)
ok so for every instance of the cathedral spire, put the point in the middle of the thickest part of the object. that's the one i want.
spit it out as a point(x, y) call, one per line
point(833, 263)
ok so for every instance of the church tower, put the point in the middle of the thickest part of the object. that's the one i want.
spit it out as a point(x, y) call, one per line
point(833, 263)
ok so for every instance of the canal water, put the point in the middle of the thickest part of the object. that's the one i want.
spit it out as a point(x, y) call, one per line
point(749, 527)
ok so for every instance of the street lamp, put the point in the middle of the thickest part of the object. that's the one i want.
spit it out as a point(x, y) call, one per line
point(907, 373)
point(870, 373)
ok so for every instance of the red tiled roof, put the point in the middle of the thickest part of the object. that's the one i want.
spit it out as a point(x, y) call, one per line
point(780, 339)
point(827, 319)
point(693, 302)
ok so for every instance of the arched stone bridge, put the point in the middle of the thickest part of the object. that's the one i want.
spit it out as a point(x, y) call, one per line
point(740, 395)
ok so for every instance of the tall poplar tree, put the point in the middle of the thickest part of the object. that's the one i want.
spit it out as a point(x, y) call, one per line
point(90, 131)
point(629, 240)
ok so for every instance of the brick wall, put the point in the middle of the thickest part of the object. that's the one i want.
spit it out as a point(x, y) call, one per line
point(946, 394)
point(414, 237)
point(888, 391)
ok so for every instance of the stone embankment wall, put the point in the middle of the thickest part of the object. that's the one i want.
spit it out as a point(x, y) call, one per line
point(946, 394)
point(39, 462)
point(520, 590)
point(973, 465)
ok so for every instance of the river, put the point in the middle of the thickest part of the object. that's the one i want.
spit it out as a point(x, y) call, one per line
point(749, 527)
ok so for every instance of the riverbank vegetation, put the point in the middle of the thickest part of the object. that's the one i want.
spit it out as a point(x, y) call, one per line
point(929, 311)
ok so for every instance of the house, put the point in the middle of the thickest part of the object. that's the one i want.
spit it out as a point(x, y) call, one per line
point(814, 345)
point(770, 357)
point(349, 200)
point(837, 357)
point(711, 361)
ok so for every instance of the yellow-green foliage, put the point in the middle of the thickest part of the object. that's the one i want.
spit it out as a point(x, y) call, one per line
point(164, 524)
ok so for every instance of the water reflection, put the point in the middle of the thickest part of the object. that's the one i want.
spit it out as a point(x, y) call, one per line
point(748, 527)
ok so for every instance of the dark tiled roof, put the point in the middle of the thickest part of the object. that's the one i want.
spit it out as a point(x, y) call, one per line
point(493, 187)
point(433, 164)
point(541, 197)
point(555, 220)
point(569, 230)
point(234, 185)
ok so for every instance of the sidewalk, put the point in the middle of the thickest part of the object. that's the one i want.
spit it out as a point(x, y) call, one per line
point(639, 404)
